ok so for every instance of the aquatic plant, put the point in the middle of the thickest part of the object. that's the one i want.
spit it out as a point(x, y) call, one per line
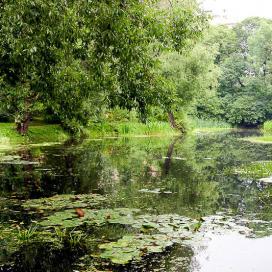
point(134, 247)
point(255, 170)
point(24, 235)
point(59, 202)
point(73, 238)
point(70, 219)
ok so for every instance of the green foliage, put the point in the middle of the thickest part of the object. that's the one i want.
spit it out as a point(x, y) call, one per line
point(224, 39)
point(189, 78)
point(247, 111)
point(209, 124)
point(256, 170)
point(130, 129)
point(244, 57)
point(42, 52)
point(25, 235)
point(73, 59)
point(38, 134)
point(267, 127)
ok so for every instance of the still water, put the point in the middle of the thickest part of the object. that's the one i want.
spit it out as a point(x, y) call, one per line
point(197, 176)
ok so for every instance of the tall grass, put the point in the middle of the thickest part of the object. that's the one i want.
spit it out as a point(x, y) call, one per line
point(131, 128)
point(203, 124)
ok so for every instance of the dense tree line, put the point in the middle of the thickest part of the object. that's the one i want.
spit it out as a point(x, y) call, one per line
point(68, 60)
point(72, 61)
point(244, 57)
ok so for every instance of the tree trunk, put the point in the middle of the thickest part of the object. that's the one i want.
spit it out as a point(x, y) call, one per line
point(23, 125)
point(172, 120)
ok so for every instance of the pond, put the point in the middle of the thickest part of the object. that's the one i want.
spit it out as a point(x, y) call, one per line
point(191, 203)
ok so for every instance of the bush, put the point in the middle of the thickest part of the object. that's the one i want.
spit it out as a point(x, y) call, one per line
point(268, 126)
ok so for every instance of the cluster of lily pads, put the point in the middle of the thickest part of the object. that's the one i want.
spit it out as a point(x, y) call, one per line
point(61, 202)
point(147, 234)
point(140, 235)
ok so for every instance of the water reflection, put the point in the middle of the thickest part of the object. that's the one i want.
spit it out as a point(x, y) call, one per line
point(234, 253)
point(192, 176)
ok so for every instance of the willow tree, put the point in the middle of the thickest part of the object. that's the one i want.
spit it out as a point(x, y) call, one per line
point(41, 57)
point(73, 57)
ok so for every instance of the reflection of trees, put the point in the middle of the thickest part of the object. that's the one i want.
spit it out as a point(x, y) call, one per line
point(197, 172)
point(237, 194)
point(168, 157)
point(178, 258)
point(19, 176)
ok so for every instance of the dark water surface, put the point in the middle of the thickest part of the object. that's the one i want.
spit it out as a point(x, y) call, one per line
point(194, 176)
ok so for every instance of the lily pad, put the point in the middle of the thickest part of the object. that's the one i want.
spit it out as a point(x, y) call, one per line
point(69, 218)
point(60, 202)
point(134, 248)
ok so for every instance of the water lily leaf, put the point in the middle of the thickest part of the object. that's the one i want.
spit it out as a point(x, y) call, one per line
point(60, 202)
point(134, 247)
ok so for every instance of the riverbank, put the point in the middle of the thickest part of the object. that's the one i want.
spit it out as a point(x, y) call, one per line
point(266, 138)
point(115, 129)
point(38, 134)
point(45, 133)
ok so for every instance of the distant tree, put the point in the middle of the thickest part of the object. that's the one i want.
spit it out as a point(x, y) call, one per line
point(188, 77)
point(260, 50)
point(224, 38)
point(245, 83)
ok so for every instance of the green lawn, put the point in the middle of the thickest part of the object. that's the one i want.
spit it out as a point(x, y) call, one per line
point(38, 134)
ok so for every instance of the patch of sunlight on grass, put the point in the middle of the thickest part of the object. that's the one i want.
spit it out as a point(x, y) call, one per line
point(37, 134)
point(266, 139)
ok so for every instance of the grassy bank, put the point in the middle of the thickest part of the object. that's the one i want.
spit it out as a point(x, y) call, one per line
point(267, 127)
point(38, 134)
point(130, 129)
point(44, 133)
point(266, 138)
point(209, 125)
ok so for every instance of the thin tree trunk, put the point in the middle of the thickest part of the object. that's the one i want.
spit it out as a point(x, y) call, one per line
point(23, 125)
point(172, 120)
